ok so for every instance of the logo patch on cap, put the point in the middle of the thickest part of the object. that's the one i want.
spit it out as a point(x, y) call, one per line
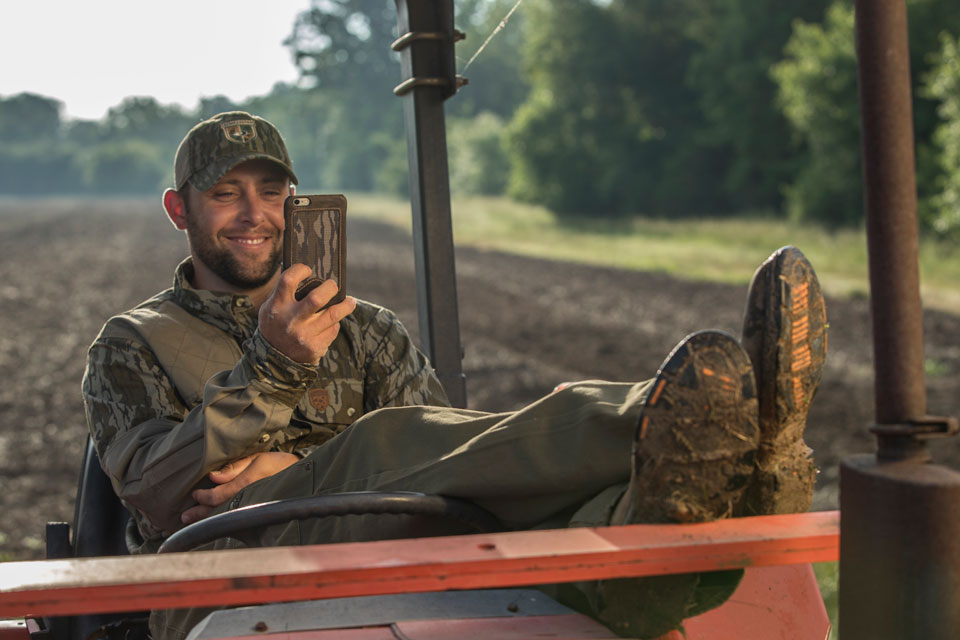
point(239, 131)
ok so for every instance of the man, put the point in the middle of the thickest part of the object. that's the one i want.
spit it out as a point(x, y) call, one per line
point(176, 366)
point(225, 391)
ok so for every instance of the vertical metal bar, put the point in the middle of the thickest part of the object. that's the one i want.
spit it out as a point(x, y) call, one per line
point(430, 188)
point(900, 517)
point(891, 204)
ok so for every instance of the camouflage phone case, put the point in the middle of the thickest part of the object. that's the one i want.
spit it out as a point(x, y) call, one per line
point(315, 235)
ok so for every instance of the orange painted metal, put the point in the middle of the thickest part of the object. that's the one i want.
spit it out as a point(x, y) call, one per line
point(14, 630)
point(771, 603)
point(249, 576)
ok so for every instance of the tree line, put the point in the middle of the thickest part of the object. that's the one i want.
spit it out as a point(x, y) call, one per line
point(590, 107)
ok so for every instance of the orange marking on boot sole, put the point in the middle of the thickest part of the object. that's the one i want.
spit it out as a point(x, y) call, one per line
point(643, 426)
point(798, 394)
point(802, 358)
point(726, 384)
point(801, 296)
point(657, 390)
point(799, 333)
point(800, 329)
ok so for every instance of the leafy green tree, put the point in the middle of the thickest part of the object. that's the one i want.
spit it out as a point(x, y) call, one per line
point(556, 136)
point(739, 40)
point(33, 157)
point(342, 48)
point(818, 93)
point(335, 141)
point(478, 160)
point(212, 105)
point(497, 84)
point(127, 167)
point(83, 133)
point(355, 129)
point(144, 118)
point(943, 84)
point(393, 173)
point(29, 118)
point(39, 171)
point(929, 20)
point(346, 43)
point(611, 126)
point(143, 132)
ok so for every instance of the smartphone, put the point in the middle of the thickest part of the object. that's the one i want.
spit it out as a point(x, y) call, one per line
point(315, 234)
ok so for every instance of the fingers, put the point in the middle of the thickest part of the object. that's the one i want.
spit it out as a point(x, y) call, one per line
point(294, 327)
point(221, 493)
point(230, 478)
point(231, 470)
point(341, 310)
point(332, 315)
point(326, 325)
point(320, 296)
point(289, 281)
point(193, 514)
point(217, 495)
point(251, 469)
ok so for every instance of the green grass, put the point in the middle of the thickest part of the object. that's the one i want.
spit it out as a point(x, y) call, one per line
point(709, 249)
point(828, 577)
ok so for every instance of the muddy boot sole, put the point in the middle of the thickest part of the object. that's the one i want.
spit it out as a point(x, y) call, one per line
point(696, 442)
point(694, 455)
point(785, 334)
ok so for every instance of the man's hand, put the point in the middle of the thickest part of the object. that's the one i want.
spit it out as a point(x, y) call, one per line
point(294, 327)
point(234, 476)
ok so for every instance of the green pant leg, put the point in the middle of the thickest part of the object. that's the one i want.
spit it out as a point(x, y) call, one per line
point(541, 463)
point(532, 468)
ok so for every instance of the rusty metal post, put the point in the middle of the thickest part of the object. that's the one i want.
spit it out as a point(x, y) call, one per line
point(426, 49)
point(891, 202)
point(900, 515)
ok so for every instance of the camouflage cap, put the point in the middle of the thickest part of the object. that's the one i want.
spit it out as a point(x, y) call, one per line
point(214, 146)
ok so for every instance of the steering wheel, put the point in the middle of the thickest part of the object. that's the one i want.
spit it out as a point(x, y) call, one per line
point(244, 523)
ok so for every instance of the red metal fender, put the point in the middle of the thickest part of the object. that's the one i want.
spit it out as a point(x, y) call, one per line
point(249, 576)
point(17, 629)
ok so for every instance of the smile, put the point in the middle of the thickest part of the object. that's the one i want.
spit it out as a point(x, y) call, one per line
point(249, 241)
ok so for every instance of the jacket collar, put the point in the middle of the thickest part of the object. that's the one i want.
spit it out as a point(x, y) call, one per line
point(232, 312)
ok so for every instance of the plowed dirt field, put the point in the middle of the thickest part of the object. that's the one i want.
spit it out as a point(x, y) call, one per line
point(67, 265)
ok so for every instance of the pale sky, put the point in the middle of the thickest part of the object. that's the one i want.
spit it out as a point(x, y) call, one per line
point(90, 54)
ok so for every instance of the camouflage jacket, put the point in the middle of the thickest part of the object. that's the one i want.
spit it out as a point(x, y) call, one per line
point(184, 383)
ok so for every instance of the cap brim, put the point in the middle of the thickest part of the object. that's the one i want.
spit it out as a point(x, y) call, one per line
point(210, 175)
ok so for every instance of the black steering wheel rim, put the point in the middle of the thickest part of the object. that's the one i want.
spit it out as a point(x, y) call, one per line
point(244, 522)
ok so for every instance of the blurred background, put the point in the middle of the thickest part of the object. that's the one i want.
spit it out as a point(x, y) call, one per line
point(593, 109)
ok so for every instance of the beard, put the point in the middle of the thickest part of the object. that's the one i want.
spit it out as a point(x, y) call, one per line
point(243, 275)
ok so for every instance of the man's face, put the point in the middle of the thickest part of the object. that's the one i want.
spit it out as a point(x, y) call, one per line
point(235, 227)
